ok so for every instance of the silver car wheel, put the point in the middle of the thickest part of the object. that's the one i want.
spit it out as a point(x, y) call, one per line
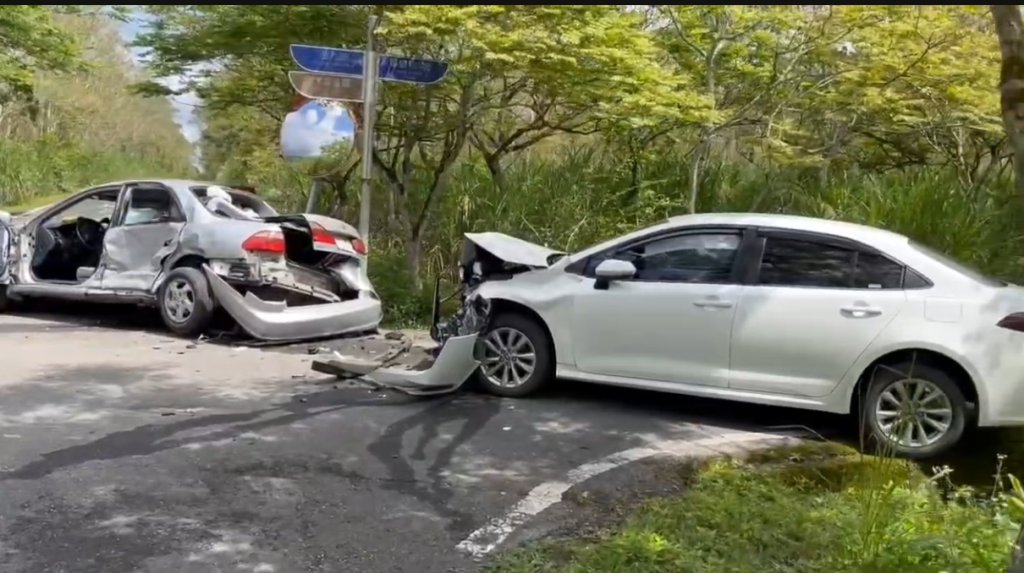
point(913, 413)
point(509, 358)
point(179, 300)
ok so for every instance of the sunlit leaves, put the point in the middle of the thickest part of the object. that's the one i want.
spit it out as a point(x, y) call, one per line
point(30, 41)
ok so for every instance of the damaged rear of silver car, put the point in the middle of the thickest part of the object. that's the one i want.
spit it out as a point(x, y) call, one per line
point(293, 277)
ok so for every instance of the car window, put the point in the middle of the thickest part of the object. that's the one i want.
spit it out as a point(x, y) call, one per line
point(151, 205)
point(691, 258)
point(875, 271)
point(96, 207)
point(794, 262)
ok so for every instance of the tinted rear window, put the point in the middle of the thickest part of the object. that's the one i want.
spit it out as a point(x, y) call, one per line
point(959, 267)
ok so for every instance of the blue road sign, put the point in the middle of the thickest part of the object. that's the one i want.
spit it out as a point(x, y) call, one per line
point(324, 60)
point(411, 70)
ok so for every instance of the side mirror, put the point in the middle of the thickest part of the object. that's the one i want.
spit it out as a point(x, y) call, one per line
point(5, 218)
point(613, 270)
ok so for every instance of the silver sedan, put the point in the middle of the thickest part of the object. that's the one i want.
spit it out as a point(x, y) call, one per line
point(187, 248)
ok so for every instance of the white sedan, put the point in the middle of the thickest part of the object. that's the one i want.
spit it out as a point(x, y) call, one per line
point(770, 309)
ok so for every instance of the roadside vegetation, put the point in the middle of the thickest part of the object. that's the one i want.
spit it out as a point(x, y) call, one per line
point(813, 508)
point(67, 119)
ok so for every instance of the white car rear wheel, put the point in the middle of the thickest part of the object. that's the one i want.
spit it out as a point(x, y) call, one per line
point(914, 410)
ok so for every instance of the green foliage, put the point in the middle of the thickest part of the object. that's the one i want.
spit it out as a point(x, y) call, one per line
point(32, 41)
point(810, 513)
point(45, 170)
point(78, 125)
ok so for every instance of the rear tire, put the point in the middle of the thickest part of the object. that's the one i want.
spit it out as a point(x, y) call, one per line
point(5, 301)
point(186, 305)
point(506, 349)
point(914, 410)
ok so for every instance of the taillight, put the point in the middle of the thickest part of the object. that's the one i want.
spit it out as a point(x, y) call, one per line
point(322, 236)
point(1013, 321)
point(359, 246)
point(265, 242)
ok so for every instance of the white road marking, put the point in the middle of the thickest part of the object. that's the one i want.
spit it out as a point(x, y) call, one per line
point(487, 538)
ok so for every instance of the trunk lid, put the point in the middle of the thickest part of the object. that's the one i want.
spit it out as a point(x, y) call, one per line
point(346, 239)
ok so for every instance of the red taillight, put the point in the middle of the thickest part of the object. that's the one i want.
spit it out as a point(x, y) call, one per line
point(322, 236)
point(265, 242)
point(359, 246)
point(1013, 321)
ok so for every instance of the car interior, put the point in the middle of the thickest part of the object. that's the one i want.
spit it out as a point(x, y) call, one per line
point(69, 244)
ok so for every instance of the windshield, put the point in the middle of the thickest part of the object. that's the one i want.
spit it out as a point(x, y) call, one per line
point(959, 267)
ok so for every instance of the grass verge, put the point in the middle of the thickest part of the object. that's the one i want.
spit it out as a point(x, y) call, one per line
point(817, 508)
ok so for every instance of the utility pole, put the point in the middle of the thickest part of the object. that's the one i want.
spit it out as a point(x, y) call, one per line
point(369, 107)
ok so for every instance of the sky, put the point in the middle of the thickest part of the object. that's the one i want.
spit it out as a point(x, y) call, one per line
point(304, 132)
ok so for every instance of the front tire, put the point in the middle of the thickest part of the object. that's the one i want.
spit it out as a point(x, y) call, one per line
point(914, 410)
point(516, 357)
point(186, 305)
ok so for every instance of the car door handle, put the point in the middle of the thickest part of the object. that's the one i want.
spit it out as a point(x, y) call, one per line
point(860, 311)
point(711, 303)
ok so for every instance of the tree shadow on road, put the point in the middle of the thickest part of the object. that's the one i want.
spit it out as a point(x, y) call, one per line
point(153, 438)
point(472, 414)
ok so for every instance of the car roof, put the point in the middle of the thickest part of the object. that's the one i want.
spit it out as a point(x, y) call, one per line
point(862, 233)
point(181, 184)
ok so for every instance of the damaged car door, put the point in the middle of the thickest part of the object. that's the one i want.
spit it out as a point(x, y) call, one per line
point(6, 239)
point(145, 226)
point(671, 322)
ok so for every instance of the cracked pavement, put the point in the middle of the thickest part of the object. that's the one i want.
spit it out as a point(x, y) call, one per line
point(123, 449)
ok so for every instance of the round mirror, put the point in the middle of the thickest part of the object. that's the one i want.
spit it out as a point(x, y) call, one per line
point(313, 127)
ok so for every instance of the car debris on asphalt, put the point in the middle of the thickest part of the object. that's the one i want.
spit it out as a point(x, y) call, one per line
point(445, 369)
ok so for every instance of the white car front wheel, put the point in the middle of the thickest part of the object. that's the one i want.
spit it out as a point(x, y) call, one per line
point(515, 356)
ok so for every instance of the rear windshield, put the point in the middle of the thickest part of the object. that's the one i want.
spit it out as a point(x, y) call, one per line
point(959, 267)
point(240, 199)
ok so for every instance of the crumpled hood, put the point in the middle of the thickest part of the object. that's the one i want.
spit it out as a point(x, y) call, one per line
point(512, 250)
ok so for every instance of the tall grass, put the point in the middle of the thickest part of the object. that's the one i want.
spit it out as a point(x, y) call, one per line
point(45, 168)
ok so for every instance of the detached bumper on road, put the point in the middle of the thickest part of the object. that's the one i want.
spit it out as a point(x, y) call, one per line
point(450, 370)
point(275, 321)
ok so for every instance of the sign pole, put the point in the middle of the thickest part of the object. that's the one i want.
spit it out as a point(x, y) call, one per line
point(369, 107)
point(314, 195)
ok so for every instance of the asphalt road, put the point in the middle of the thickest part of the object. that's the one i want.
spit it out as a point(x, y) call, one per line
point(123, 449)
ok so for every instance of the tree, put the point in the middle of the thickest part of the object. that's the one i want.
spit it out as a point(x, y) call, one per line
point(751, 63)
point(1010, 31)
point(32, 42)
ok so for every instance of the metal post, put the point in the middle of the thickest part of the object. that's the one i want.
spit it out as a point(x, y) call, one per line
point(314, 195)
point(369, 107)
